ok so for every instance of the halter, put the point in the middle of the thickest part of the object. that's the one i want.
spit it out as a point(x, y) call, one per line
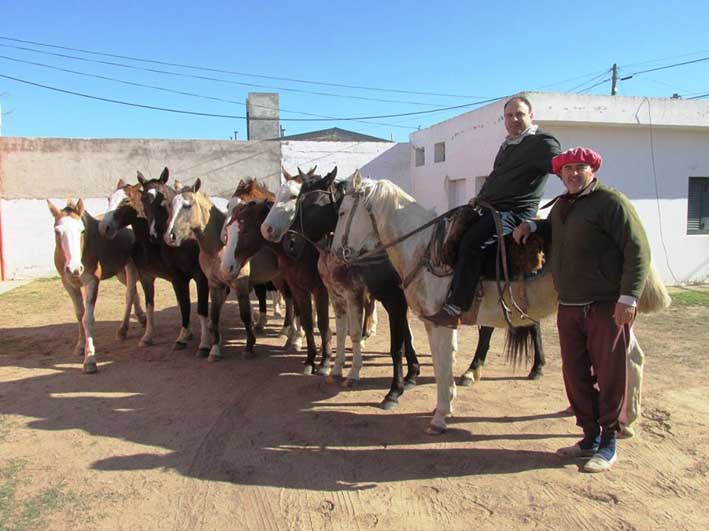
point(330, 193)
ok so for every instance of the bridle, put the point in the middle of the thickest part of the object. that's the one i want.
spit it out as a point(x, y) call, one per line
point(331, 193)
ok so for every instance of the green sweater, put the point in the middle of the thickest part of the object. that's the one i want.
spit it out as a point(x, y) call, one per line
point(600, 251)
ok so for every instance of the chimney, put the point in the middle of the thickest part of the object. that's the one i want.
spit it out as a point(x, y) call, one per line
point(262, 116)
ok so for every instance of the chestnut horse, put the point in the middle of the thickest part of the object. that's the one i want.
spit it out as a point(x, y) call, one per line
point(83, 259)
point(155, 259)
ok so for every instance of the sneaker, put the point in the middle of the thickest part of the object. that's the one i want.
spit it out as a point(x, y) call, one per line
point(605, 456)
point(586, 447)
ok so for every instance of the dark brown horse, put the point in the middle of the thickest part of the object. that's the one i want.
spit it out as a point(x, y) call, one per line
point(155, 259)
point(301, 275)
point(83, 259)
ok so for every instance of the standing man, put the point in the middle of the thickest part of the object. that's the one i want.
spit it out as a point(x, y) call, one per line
point(514, 188)
point(600, 260)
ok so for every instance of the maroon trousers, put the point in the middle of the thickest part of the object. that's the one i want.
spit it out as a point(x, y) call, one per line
point(589, 337)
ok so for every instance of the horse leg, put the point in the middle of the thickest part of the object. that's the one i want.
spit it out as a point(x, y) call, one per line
point(355, 314)
point(181, 287)
point(340, 340)
point(149, 291)
point(441, 339)
point(276, 302)
point(261, 295)
point(322, 306)
point(131, 292)
point(78, 302)
point(218, 296)
point(89, 294)
point(305, 316)
point(369, 329)
point(396, 338)
point(539, 360)
point(137, 305)
point(288, 320)
point(242, 297)
point(474, 372)
point(205, 339)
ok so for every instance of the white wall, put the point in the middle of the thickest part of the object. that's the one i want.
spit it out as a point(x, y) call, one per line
point(380, 160)
point(636, 157)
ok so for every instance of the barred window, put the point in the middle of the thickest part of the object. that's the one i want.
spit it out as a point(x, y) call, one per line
point(698, 206)
point(420, 156)
point(439, 152)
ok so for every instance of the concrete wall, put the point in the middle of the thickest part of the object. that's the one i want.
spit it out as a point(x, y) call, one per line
point(263, 116)
point(380, 160)
point(651, 165)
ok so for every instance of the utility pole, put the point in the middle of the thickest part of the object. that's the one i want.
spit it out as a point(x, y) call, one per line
point(614, 80)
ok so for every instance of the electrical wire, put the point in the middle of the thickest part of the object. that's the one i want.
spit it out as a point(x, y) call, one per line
point(664, 68)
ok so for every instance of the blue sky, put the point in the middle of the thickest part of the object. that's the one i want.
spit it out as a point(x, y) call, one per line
point(463, 51)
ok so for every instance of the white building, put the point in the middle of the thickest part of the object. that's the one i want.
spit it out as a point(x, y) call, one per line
point(656, 151)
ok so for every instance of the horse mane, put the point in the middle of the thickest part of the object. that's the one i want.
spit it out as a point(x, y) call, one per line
point(72, 207)
point(253, 187)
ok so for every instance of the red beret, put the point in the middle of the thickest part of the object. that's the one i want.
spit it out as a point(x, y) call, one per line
point(577, 155)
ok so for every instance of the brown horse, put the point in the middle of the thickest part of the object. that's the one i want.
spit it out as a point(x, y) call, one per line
point(83, 258)
point(155, 259)
point(264, 264)
point(194, 216)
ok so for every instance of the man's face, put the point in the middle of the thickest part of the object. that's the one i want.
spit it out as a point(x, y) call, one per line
point(576, 176)
point(517, 117)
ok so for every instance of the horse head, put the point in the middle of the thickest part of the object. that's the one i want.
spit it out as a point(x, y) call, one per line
point(69, 233)
point(355, 232)
point(155, 201)
point(245, 238)
point(281, 216)
point(316, 209)
point(124, 207)
point(189, 215)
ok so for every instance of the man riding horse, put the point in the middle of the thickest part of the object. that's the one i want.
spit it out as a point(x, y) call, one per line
point(514, 188)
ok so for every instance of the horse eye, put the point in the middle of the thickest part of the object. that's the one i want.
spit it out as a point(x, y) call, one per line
point(340, 214)
point(186, 206)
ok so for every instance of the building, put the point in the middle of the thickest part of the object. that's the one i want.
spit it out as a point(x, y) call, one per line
point(655, 150)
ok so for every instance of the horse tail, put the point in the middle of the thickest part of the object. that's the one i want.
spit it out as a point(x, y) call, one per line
point(654, 297)
point(519, 344)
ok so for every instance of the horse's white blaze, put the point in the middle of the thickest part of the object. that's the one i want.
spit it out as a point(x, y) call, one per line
point(180, 207)
point(69, 230)
point(230, 267)
point(282, 213)
point(116, 199)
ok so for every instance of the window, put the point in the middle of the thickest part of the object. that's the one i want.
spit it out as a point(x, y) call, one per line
point(439, 152)
point(698, 206)
point(420, 156)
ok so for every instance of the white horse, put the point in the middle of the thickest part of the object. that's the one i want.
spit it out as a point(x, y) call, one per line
point(377, 212)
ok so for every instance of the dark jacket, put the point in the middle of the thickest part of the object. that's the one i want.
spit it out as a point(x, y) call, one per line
point(599, 247)
point(519, 174)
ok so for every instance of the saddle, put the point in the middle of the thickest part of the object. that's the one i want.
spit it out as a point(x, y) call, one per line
point(522, 260)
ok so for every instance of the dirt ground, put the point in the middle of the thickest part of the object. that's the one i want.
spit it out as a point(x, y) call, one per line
point(159, 439)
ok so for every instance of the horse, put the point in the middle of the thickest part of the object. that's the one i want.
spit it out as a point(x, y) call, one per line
point(314, 219)
point(264, 264)
point(155, 259)
point(194, 216)
point(83, 258)
point(374, 213)
point(301, 275)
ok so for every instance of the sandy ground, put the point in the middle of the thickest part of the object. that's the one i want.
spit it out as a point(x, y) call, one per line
point(161, 440)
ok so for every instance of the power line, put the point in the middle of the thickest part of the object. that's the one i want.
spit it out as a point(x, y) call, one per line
point(664, 67)
point(211, 115)
point(179, 92)
point(232, 72)
point(228, 81)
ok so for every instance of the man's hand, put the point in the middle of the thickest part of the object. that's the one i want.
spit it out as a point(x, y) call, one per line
point(623, 314)
point(522, 232)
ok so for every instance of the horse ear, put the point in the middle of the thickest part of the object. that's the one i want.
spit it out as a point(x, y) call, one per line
point(357, 181)
point(197, 184)
point(312, 171)
point(165, 175)
point(121, 183)
point(141, 178)
point(80, 207)
point(177, 185)
point(287, 175)
point(330, 177)
point(53, 209)
point(300, 172)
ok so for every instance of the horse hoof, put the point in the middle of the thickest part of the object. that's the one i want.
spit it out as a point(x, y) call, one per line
point(435, 430)
point(143, 320)
point(466, 380)
point(478, 374)
point(389, 404)
point(349, 383)
point(202, 352)
point(122, 333)
point(535, 375)
point(90, 367)
point(259, 329)
point(179, 346)
point(324, 371)
point(145, 342)
point(213, 357)
point(284, 331)
point(308, 369)
point(409, 384)
point(248, 354)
